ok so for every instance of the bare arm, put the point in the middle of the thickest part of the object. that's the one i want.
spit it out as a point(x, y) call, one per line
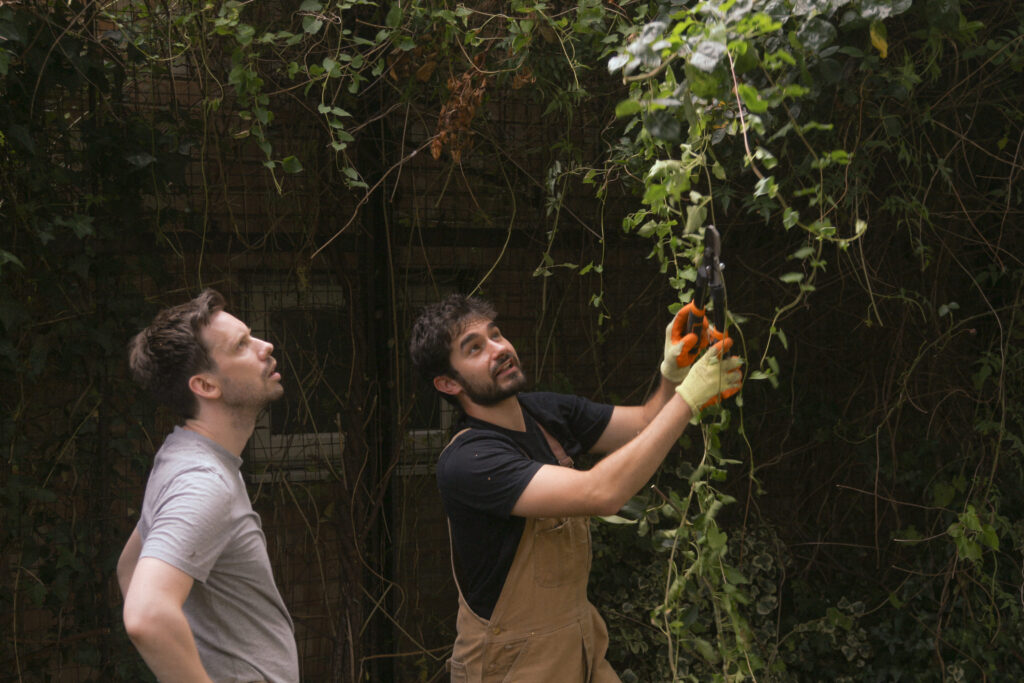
point(628, 421)
point(603, 490)
point(156, 623)
point(129, 558)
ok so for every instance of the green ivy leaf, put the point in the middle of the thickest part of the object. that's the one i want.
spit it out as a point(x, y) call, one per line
point(291, 164)
point(394, 18)
point(883, 9)
point(716, 538)
point(311, 25)
point(766, 187)
point(7, 257)
point(817, 34)
point(790, 217)
point(752, 99)
point(627, 108)
point(707, 55)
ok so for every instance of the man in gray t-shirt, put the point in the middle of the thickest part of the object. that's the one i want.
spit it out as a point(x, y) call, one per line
point(200, 599)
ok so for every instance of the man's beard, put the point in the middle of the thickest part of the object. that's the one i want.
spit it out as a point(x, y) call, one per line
point(249, 399)
point(491, 393)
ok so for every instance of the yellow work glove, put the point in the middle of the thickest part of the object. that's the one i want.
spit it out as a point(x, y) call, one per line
point(711, 379)
point(682, 346)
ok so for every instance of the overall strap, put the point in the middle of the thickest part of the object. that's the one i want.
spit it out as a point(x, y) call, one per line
point(564, 459)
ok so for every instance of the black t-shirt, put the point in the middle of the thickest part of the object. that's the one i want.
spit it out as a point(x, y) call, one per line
point(484, 471)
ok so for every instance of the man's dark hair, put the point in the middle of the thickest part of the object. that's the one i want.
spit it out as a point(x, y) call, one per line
point(435, 328)
point(166, 354)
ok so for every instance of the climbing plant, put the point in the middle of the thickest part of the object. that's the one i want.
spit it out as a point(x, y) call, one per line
point(860, 158)
point(785, 112)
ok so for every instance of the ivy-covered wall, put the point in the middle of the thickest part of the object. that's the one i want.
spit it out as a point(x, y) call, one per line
point(853, 516)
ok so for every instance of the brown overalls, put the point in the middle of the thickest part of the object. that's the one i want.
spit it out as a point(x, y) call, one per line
point(543, 629)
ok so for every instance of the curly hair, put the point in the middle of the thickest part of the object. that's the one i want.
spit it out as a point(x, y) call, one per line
point(435, 328)
point(166, 354)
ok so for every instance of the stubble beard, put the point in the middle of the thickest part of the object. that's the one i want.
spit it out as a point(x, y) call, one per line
point(492, 393)
point(249, 400)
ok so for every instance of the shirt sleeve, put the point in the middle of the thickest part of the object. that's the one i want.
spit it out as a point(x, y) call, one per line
point(191, 522)
point(575, 421)
point(484, 472)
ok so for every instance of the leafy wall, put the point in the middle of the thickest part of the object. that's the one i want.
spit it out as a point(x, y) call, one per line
point(854, 516)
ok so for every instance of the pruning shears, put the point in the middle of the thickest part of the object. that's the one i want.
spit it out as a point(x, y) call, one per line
point(695, 322)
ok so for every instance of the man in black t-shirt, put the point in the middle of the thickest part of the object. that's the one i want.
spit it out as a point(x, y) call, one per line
point(517, 508)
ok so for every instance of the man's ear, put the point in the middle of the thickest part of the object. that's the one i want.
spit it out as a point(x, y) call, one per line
point(447, 385)
point(204, 386)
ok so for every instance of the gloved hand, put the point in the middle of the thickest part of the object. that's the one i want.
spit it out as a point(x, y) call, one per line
point(718, 340)
point(682, 347)
point(711, 378)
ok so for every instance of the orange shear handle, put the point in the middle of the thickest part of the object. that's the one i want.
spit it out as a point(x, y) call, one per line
point(691, 328)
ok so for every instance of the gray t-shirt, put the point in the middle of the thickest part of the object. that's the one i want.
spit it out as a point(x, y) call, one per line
point(197, 517)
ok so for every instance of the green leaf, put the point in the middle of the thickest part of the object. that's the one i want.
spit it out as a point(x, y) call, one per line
point(244, 34)
point(394, 18)
point(790, 217)
point(291, 165)
point(883, 9)
point(782, 338)
point(663, 125)
point(791, 277)
point(311, 25)
point(707, 55)
point(879, 38)
point(735, 576)
point(617, 62)
point(817, 34)
point(766, 158)
point(80, 224)
point(716, 538)
point(655, 193)
point(7, 257)
point(615, 519)
point(695, 215)
point(627, 108)
point(943, 14)
point(989, 537)
point(942, 494)
point(766, 186)
point(840, 156)
point(752, 99)
point(647, 229)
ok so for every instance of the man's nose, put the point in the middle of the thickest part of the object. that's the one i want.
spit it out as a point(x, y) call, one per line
point(497, 347)
point(267, 349)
